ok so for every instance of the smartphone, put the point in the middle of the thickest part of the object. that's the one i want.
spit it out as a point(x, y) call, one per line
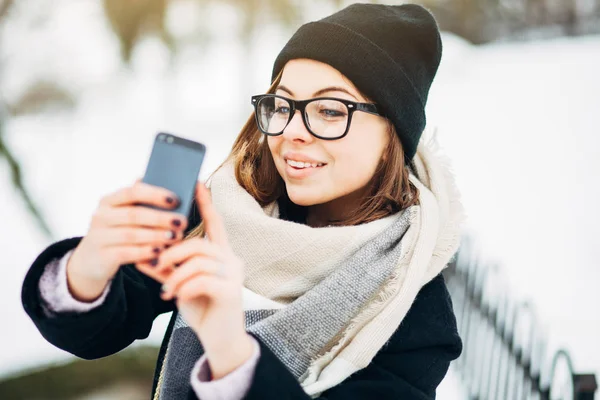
point(174, 164)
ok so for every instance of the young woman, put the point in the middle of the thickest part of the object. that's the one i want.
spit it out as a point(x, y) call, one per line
point(312, 267)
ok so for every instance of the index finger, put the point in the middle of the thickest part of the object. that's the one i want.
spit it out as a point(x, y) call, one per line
point(215, 230)
point(141, 193)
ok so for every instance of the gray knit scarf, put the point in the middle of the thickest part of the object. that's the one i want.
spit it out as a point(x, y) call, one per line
point(298, 332)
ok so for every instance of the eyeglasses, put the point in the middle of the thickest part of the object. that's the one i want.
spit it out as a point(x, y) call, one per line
point(327, 118)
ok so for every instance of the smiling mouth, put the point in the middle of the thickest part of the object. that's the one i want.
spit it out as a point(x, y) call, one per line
point(303, 165)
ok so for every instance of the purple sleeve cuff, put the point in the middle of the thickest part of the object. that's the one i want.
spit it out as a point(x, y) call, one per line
point(55, 293)
point(233, 386)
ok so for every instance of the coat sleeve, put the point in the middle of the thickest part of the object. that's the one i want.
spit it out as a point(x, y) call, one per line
point(54, 289)
point(409, 367)
point(127, 313)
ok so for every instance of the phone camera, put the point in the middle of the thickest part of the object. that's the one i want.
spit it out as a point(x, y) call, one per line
point(169, 139)
point(161, 137)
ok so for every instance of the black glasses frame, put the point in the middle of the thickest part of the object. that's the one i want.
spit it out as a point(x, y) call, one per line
point(300, 105)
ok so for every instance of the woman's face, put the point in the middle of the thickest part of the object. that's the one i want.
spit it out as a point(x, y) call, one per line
point(348, 164)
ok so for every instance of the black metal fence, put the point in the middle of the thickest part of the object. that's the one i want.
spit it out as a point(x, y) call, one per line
point(505, 354)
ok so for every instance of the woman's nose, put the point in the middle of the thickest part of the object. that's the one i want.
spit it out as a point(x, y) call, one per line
point(296, 129)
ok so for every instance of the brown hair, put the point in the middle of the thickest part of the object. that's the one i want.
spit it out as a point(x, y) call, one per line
point(390, 189)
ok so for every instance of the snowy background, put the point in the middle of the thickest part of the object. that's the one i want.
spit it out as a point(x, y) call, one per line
point(519, 120)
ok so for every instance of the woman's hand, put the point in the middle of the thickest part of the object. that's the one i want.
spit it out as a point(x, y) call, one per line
point(122, 232)
point(206, 279)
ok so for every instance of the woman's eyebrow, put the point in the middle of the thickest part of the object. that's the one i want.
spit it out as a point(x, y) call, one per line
point(320, 91)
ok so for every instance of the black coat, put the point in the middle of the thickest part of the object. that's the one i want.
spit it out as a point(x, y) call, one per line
point(410, 366)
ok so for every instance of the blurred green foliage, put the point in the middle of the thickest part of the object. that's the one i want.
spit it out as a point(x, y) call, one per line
point(130, 20)
point(134, 366)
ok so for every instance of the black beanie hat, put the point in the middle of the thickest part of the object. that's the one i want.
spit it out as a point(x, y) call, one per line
point(391, 54)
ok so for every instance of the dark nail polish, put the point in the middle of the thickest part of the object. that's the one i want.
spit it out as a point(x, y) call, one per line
point(176, 222)
point(156, 250)
point(170, 200)
point(154, 262)
point(177, 265)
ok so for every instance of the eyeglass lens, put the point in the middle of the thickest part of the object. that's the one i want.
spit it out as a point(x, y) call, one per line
point(324, 117)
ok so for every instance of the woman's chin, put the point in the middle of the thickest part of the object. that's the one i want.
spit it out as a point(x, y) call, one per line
point(304, 198)
point(303, 201)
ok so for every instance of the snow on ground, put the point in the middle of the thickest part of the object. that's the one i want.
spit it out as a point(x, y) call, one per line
point(519, 121)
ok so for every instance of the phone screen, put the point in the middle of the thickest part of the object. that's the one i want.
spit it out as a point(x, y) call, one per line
point(175, 165)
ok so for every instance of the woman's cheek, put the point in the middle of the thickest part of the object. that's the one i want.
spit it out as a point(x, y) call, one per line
point(361, 172)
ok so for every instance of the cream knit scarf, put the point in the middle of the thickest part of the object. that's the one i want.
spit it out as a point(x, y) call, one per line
point(325, 300)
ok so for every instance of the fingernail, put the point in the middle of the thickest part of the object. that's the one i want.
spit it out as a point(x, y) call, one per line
point(170, 235)
point(174, 201)
point(154, 262)
point(163, 288)
point(156, 250)
point(176, 222)
point(177, 265)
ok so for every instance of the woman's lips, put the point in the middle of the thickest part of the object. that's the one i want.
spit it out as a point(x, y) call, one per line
point(299, 173)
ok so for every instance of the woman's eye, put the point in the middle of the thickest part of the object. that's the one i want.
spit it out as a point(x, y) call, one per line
point(282, 110)
point(332, 113)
